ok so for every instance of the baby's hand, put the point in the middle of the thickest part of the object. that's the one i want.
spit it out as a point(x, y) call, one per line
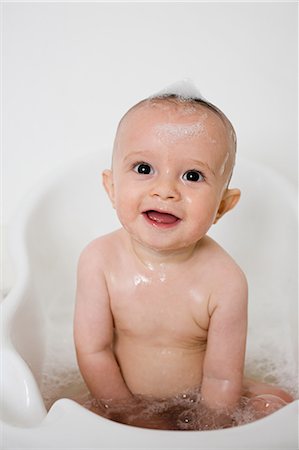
point(265, 404)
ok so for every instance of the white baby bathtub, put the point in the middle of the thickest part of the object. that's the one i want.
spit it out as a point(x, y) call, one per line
point(53, 226)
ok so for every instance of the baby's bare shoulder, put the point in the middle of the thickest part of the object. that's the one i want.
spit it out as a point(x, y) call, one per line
point(225, 279)
point(101, 250)
point(224, 271)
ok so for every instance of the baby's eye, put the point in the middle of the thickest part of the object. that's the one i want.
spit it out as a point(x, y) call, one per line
point(193, 175)
point(143, 168)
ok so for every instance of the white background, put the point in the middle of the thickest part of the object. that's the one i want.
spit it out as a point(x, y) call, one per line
point(70, 70)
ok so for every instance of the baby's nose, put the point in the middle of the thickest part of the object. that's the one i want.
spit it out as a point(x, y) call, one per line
point(166, 188)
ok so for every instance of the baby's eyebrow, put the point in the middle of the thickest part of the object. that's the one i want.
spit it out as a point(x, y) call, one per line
point(205, 165)
point(135, 155)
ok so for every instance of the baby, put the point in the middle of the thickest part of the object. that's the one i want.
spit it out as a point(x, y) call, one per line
point(161, 308)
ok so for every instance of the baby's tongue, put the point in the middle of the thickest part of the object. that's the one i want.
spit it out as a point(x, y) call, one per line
point(161, 217)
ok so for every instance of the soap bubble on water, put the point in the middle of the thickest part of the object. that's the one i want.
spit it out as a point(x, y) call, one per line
point(272, 362)
point(186, 412)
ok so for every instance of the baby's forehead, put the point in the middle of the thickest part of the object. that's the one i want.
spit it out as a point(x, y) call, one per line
point(164, 115)
point(171, 110)
point(177, 117)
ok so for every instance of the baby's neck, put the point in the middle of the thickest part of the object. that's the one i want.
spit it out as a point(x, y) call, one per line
point(152, 258)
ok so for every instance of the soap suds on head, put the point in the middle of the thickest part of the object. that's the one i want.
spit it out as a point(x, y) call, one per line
point(173, 131)
point(184, 90)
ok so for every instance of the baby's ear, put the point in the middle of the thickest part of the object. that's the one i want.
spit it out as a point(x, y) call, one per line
point(108, 184)
point(229, 200)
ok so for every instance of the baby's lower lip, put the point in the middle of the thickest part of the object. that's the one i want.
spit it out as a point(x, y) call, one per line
point(160, 219)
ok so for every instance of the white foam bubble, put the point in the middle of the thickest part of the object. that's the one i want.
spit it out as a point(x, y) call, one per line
point(185, 89)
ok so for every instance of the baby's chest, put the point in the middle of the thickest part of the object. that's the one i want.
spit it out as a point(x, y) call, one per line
point(147, 307)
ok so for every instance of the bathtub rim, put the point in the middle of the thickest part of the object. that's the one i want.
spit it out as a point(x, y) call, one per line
point(280, 431)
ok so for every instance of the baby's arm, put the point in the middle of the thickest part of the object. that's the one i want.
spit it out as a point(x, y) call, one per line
point(93, 330)
point(224, 358)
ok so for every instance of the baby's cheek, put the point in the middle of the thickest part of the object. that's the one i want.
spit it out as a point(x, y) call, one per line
point(201, 220)
point(131, 220)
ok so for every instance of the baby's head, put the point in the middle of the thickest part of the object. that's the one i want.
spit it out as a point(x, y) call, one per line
point(174, 156)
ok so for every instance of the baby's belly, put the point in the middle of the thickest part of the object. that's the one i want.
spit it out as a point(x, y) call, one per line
point(159, 370)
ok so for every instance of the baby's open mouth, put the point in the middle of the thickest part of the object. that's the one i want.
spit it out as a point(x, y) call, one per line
point(161, 219)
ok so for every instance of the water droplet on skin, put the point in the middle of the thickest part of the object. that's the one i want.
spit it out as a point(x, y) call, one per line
point(138, 279)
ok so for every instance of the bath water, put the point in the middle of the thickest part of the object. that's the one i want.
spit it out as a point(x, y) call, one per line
point(60, 374)
point(185, 412)
point(267, 360)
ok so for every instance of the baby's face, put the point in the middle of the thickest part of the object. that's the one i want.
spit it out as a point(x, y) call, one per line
point(170, 171)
